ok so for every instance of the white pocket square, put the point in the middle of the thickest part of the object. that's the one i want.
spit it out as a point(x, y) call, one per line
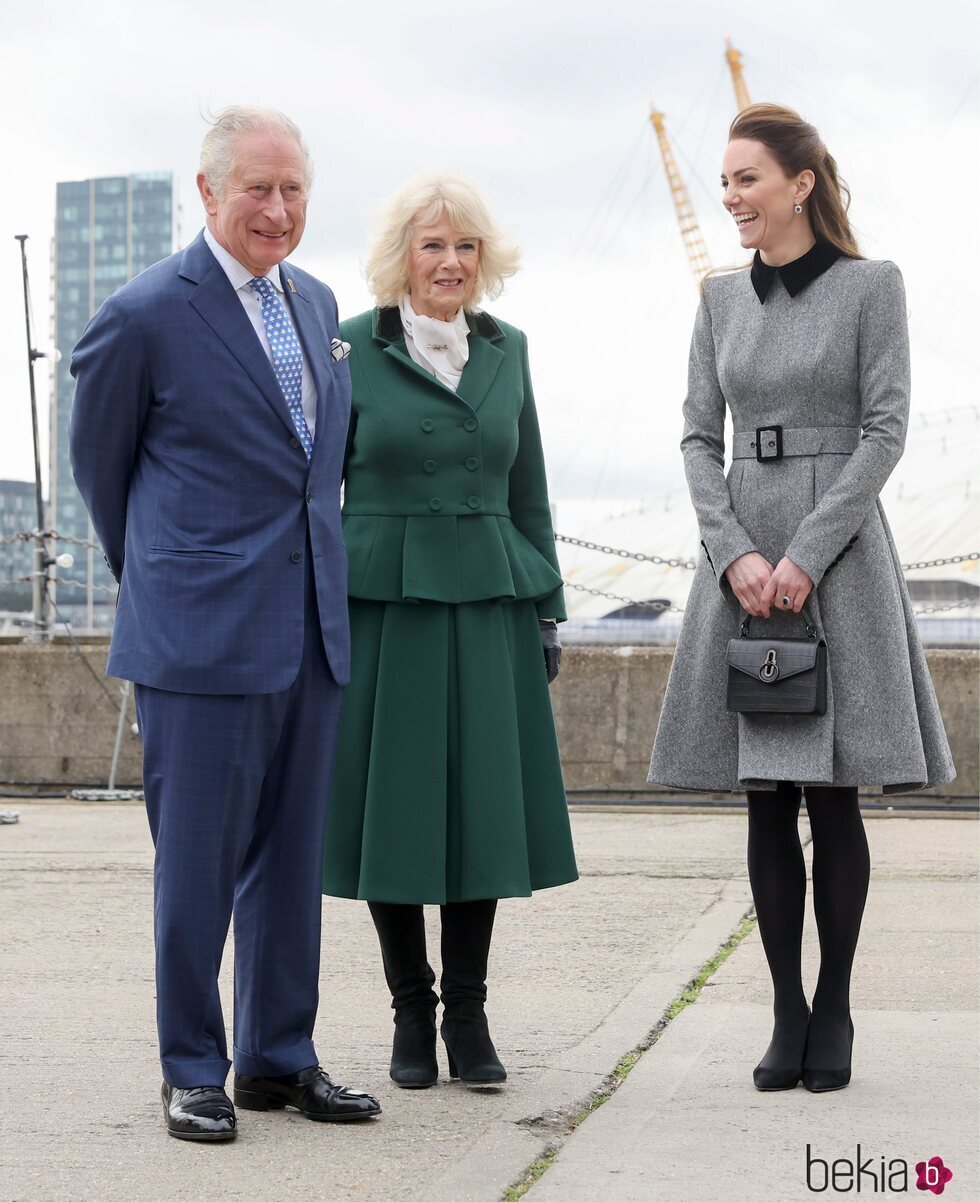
point(339, 350)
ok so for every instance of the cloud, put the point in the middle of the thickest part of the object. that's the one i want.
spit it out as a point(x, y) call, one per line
point(545, 106)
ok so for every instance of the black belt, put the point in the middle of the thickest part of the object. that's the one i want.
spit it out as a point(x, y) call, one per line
point(768, 444)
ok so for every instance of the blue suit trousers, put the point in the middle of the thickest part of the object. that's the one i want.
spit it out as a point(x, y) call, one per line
point(236, 791)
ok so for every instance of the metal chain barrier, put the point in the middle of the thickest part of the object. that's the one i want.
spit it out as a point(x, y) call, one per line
point(690, 563)
point(939, 563)
point(585, 544)
point(95, 588)
point(602, 548)
point(75, 542)
point(670, 563)
point(658, 606)
point(941, 609)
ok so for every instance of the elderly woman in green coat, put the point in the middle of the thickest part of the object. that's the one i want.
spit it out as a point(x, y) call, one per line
point(447, 788)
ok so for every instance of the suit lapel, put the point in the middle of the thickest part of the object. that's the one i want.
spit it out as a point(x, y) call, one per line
point(397, 351)
point(478, 374)
point(480, 371)
point(215, 300)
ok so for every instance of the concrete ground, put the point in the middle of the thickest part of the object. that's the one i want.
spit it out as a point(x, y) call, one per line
point(579, 976)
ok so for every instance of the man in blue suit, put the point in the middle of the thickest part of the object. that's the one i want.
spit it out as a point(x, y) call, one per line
point(207, 438)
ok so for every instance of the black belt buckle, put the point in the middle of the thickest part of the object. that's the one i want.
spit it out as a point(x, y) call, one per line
point(770, 449)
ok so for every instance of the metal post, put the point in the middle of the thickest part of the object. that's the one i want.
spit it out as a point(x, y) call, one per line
point(39, 581)
point(112, 793)
point(120, 725)
point(90, 579)
point(41, 556)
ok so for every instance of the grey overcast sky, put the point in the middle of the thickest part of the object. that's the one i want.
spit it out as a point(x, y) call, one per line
point(544, 105)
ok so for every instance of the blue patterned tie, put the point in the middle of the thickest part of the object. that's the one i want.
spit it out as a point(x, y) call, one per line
point(287, 356)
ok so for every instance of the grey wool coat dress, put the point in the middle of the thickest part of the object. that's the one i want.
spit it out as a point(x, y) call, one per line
point(818, 350)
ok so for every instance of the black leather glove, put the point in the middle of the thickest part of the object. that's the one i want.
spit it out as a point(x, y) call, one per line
point(551, 645)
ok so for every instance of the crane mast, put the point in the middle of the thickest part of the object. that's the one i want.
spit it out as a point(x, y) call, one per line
point(697, 251)
point(738, 79)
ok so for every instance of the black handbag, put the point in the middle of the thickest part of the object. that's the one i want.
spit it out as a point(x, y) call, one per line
point(777, 676)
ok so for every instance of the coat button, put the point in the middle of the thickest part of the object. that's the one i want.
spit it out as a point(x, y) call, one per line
point(435, 504)
point(429, 466)
point(472, 464)
point(470, 424)
point(309, 496)
point(428, 425)
point(295, 442)
point(474, 502)
point(296, 556)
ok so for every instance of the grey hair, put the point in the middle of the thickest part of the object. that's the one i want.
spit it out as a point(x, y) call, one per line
point(232, 123)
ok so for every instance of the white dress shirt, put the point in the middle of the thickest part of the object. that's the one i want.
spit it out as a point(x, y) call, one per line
point(240, 278)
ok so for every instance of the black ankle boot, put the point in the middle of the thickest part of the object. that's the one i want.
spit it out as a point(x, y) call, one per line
point(466, 931)
point(782, 1065)
point(401, 932)
point(472, 1057)
point(816, 1077)
point(413, 1051)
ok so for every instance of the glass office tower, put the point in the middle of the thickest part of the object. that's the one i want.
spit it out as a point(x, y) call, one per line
point(106, 231)
point(18, 513)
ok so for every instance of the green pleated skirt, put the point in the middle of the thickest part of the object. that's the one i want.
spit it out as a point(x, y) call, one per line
point(447, 785)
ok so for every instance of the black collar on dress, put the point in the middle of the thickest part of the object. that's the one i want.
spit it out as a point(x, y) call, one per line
point(388, 325)
point(795, 275)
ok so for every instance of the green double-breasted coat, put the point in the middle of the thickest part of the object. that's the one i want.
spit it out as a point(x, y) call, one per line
point(447, 785)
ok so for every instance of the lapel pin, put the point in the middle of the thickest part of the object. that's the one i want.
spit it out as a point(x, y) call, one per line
point(292, 286)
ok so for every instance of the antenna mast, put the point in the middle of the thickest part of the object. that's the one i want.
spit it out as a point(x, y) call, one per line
point(697, 251)
point(734, 57)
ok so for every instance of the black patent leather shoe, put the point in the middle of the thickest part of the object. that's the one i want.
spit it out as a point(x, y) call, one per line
point(204, 1113)
point(309, 1091)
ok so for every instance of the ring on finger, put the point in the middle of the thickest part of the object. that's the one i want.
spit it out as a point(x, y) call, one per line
point(787, 602)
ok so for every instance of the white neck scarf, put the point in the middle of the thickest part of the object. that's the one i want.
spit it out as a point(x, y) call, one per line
point(441, 347)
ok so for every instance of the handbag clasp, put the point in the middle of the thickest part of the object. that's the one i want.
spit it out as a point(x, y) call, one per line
point(769, 670)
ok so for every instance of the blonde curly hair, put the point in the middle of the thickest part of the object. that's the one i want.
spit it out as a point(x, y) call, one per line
point(423, 201)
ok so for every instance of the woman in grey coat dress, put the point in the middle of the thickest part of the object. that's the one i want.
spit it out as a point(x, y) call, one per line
point(809, 351)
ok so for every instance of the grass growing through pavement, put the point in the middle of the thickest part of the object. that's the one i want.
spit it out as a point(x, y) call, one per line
point(626, 1064)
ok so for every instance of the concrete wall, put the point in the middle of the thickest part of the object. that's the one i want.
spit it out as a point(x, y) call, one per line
point(57, 726)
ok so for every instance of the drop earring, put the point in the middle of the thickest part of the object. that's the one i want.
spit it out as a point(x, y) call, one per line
point(797, 208)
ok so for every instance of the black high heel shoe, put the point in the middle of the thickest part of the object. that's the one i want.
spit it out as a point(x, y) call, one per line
point(823, 1080)
point(787, 1049)
point(472, 1057)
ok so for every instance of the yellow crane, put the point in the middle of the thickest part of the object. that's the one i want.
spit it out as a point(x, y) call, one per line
point(697, 252)
point(738, 79)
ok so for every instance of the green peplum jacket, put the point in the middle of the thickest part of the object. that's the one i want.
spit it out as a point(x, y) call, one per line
point(445, 496)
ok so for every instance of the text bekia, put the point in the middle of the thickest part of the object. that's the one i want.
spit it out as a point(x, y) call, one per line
point(870, 1175)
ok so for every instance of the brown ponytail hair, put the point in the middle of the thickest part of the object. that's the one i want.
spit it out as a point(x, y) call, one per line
point(796, 147)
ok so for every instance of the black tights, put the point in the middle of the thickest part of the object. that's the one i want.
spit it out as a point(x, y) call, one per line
point(841, 870)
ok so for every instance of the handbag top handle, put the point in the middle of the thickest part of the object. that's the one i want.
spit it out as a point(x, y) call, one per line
point(811, 626)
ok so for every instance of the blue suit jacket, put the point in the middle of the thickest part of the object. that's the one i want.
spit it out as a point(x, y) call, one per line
point(185, 453)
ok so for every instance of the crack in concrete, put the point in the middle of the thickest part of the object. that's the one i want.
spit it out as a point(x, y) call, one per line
point(564, 1121)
